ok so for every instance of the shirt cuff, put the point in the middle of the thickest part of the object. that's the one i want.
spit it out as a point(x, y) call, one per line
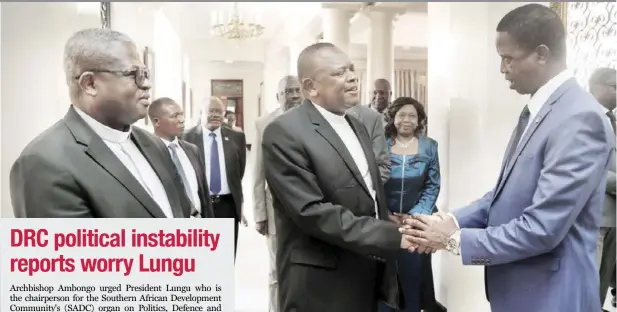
point(454, 218)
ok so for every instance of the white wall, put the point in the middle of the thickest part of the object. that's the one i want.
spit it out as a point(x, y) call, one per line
point(251, 74)
point(149, 27)
point(34, 94)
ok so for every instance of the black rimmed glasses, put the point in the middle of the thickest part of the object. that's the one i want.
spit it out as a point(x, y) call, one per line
point(141, 75)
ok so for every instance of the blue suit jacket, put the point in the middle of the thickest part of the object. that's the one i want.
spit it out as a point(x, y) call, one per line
point(536, 230)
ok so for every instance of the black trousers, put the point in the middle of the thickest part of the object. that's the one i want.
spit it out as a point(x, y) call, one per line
point(224, 206)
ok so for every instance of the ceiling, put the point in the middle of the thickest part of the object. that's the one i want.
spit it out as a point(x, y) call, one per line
point(193, 20)
point(283, 21)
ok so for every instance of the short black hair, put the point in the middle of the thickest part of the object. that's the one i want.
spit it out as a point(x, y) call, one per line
point(227, 113)
point(305, 59)
point(155, 108)
point(390, 129)
point(603, 75)
point(532, 25)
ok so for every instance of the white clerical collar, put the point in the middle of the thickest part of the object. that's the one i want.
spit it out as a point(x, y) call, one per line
point(106, 133)
point(330, 117)
point(544, 93)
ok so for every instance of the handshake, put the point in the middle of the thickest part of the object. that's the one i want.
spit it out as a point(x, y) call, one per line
point(425, 233)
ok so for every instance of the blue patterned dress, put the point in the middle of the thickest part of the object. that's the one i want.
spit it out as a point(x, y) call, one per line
point(413, 188)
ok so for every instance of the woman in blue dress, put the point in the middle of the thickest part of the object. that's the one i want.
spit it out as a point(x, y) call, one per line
point(414, 184)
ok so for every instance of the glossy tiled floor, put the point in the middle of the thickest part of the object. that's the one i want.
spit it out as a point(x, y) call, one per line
point(252, 259)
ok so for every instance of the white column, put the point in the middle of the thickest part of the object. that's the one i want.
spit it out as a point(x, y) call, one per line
point(28, 29)
point(380, 55)
point(336, 27)
point(472, 120)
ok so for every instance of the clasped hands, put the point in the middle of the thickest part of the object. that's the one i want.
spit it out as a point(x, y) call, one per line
point(424, 233)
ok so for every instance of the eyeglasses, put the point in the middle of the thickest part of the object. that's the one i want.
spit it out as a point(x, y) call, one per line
point(140, 74)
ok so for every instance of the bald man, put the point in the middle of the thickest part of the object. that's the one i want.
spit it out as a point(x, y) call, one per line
point(382, 95)
point(288, 96)
point(336, 251)
point(224, 153)
point(93, 163)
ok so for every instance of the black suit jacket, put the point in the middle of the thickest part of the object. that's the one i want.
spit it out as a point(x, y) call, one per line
point(234, 149)
point(192, 152)
point(330, 245)
point(69, 172)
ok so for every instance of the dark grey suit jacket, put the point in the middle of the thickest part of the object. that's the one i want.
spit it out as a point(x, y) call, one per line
point(373, 121)
point(234, 149)
point(69, 172)
point(330, 245)
point(192, 152)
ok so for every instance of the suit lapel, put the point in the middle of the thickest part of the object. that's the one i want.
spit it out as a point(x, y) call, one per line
point(150, 151)
point(195, 136)
point(533, 126)
point(228, 152)
point(327, 132)
point(194, 159)
point(367, 148)
point(104, 157)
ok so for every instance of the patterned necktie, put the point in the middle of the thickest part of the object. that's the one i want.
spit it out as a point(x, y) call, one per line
point(174, 157)
point(523, 120)
point(611, 117)
point(215, 166)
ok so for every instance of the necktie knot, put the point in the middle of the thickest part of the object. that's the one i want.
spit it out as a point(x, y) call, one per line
point(213, 135)
point(173, 146)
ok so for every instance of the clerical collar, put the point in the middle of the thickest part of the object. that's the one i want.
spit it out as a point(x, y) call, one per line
point(330, 117)
point(106, 133)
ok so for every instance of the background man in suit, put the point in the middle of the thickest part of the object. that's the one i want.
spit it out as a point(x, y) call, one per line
point(168, 120)
point(289, 96)
point(328, 196)
point(382, 96)
point(602, 87)
point(224, 153)
point(373, 121)
point(92, 163)
point(536, 231)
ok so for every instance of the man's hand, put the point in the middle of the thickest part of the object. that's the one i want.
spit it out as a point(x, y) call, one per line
point(262, 227)
point(429, 232)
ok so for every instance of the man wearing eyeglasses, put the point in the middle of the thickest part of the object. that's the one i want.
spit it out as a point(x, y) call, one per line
point(93, 163)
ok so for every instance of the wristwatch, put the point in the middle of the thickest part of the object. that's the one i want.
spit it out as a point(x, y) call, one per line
point(453, 243)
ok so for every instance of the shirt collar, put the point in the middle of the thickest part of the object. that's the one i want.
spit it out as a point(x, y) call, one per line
point(216, 131)
point(544, 93)
point(106, 133)
point(330, 117)
point(167, 143)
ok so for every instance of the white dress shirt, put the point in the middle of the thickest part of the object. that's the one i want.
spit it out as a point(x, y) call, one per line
point(122, 146)
point(351, 141)
point(189, 171)
point(536, 102)
point(539, 98)
point(207, 152)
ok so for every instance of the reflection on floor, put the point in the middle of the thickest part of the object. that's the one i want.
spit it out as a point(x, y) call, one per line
point(252, 259)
